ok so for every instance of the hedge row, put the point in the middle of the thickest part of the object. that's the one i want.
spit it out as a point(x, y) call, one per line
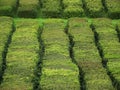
point(72, 8)
point(94, 8)
point(22, 56)
point(87, 56)
point(109, 44)
point(113, 7)
point(58, 71)
point(60, 8)
point(5, 31)
point(51, 8)
point(28, 8)
point(7, 7)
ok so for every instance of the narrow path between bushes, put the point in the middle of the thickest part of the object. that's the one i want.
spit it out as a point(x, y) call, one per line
point(118, 32)
point(4, 53)
point(71, 52)
point(104, 61)
point(104, 5)
point(38, 69)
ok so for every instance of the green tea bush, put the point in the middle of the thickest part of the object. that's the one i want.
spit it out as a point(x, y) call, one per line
point(94, 8)
point(51, 8)
point(28, 8)
point(87, 56)
point(113, 7)
point(104, 22)
point(8, 7)
point(109, 43)
point(22, 56)
point(72, 8)
point(5, 31)
point(58, 71)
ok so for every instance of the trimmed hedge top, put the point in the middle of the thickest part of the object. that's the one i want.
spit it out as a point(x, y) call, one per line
point(60, 8)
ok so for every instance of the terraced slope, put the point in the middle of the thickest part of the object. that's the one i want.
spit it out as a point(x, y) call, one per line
point(60, 8)
point(22, 57)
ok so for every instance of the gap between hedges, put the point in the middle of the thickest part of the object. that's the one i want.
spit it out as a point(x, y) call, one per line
point(118, 32)
point(38, 69)
point(104, 61)
point(71, 54)
point(40, 14)
point(4, 53)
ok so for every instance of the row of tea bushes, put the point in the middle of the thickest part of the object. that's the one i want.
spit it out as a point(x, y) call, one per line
point(113, 7)
point(110, 47)
point(8, 7)
point(5, 32)
point(51, 8)
point(72, 8)
point(58, 71)
point(28, 8)
point(22, 56)
point(94, 8)
point(87, 56)
point(60, 8)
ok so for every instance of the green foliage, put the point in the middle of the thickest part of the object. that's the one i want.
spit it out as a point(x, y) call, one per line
point(104, 22)
point(110, 45)
point(28, 8)
point(94, 8)
point(22, 56)
point(5, 31)
point(72, 8)
point(60, 8)
point(5, 10)
point(113, 7)
point(51, 8)
point(118, 23)
point(87, 56)
point(58, 71)
point(7, 7)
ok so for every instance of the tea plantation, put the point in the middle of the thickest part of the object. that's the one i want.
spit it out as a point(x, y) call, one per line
point(59, 44)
